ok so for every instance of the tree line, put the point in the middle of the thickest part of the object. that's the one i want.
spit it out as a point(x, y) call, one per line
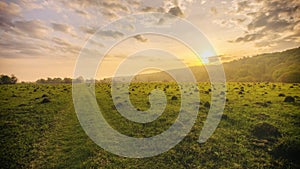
point(5, 79)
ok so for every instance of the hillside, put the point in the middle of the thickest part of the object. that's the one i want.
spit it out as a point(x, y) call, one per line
point(269, 67)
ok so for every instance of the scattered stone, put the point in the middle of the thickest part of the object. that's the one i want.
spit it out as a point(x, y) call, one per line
point(289, 99)
point(262, 116)
point(240, 92)
point(288, 149)
point(207, 104)
point(44, 95)
point(119, 105)
point(281, 95)
point(225, 116)
point(263, 104)
point(21, 105)
point(45, 100)
point(265, 131)
point(174, 98)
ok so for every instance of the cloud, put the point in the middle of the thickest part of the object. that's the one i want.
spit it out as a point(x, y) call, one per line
point(213, 10)
point(66, 47)
point(268, 22)
point(22, 47)
point(115, 6)
point(248, 38)
point(110, 34)
point(32, 28)
point(82, 13)
point(8, 12)
point(140, 38)
point(152, 9)
point(241, 6)
point(88, 29)
point(176, 11)
point(109, 9)
point(62, 28)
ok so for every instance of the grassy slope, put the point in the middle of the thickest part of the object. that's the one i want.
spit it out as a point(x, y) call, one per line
point(35, 135)
point(269, 67)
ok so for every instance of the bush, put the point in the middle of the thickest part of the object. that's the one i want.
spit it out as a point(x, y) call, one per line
point(5, 79)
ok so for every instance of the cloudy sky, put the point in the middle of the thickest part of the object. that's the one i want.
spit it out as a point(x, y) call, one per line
point(43, 38)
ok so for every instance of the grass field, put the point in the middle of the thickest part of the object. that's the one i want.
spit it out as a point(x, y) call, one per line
point(40, 129)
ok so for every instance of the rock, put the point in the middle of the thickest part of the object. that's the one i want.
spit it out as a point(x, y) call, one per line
point(174, 98)
point(262, 116)
point(207, 105)
point(263, 104)
point(45, 100)
point(225, 116)
point(265, 131)
point(288, 149)
point(44, 95)
point(281, 95)
point(289, 99)
point(21, 105)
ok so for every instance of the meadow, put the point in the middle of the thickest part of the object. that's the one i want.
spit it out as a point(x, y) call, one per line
point(260, 128)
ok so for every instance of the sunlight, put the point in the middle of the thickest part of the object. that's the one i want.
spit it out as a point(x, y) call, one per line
point(207, 54)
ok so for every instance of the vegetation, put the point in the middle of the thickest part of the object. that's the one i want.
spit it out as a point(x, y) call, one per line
point(39, 128)
point(270, 67)
point(5, 79)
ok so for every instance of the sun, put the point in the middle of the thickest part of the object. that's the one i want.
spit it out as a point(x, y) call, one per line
point(207, 54)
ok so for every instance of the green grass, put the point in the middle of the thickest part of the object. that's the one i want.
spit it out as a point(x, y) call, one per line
point(36, 135)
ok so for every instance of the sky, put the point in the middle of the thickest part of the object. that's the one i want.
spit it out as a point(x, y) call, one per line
point(43, 38)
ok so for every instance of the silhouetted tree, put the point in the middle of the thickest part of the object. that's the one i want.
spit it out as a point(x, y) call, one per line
point(5, 79)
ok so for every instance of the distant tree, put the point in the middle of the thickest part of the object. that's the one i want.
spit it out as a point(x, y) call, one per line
point(67, 80)
point(80, 79)
point(41, 81)
point(13, 79)
point(57, 80)
point(5, 79)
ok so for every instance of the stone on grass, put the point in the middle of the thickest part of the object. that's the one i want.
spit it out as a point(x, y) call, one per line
point(45, 100)
point(289, 99)
point(207, 105)
point(265, 131)
point(174, 98)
